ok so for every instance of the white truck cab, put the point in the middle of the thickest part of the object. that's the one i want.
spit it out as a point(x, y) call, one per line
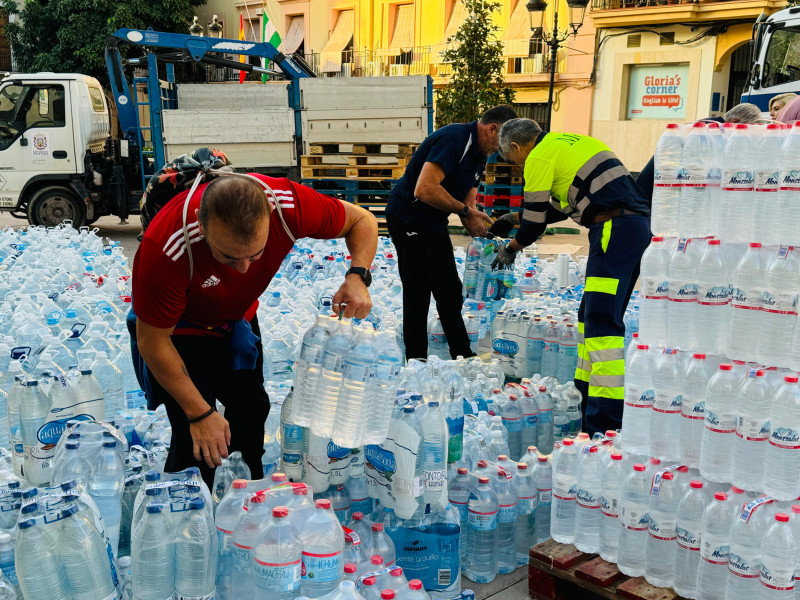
point(53, 129)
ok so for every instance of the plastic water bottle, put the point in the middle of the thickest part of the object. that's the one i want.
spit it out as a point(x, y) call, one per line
point(784, 221)
point(682, 304)
point(482, 533)
point(544, 482)
point(152, 555)
point(588, 500)
point(513, 417)
point(639, 396)
point(767, 160)
point(228, 512)
point(744, 557)
point(780, 307)
point(308, 369)
point(611, 489)
point(7, 561)
point(655, 292)
point(39, 568)
point(527, 501)
point(278, 558)
point(507, 500)
point(714, 549)
point(662, 533)
point(352, 410)
point(778, 560)
point(544, 402)
point(33, 410)
point(666, 185)
point(437, 341)
point(458, 492)
point(738, 179)
point(665, 422)
point(693, 410)
point(688, 527)
point(472, 265)
point(387, 370)
point(83, 554)
point(245, 537)
point(552, 337)
point(695, 198)
point(110, 379)
point(195, 553)
point(434, 443)
point(327, 397)
point(323, 546)
point(719, 427)
point(565, 475)
point(752, 431)
point(530, 421)
point(713, 300)
point(106, 487)
point(535, 345)
point(567, 353)
point(747, 303)
point(633, 520)
point(782, 459)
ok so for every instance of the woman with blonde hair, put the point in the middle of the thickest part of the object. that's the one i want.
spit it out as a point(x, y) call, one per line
point(778, 102)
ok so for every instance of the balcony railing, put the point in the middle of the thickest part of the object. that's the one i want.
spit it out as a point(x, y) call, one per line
point(373, 63)
point(613, 4)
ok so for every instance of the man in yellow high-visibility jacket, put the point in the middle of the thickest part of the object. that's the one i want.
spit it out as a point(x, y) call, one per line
point(588, 183)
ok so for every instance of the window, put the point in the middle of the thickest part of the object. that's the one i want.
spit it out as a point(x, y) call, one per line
point(24, 107)
point(782, 63)
point(96, 96)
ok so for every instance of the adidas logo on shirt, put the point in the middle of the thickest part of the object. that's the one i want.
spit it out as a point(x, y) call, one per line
point(211, 282)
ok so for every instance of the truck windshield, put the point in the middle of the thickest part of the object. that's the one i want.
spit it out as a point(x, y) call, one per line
point(782, 62)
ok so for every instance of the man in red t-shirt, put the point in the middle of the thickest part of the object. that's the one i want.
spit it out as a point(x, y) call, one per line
point(193, 304)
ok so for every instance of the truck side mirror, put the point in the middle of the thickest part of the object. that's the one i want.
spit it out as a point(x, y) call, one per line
point(23, 141)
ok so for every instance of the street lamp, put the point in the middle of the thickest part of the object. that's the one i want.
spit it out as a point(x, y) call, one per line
point(195, 28)
point(537, 10)
point(215, 28)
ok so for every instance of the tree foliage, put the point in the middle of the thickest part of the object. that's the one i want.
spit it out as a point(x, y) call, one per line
point(70, 35)
point(476, 57)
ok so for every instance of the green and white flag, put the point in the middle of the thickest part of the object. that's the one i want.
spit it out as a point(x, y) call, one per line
point(270, 35)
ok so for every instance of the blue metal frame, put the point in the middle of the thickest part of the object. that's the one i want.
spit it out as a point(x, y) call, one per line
point(430, 105)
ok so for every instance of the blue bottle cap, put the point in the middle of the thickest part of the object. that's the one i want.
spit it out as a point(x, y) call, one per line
point(152, 475)
point(197, 504)
point(86, 372)
point(69, 511)
point(152, 492)
point(32, 383)
point(27, 523)
point(408, 409)
point(72, 445)
point(31, 508)
point(69, 485)
point(433, 404)
point(29, 493)
point(110, 444)
point(155, 508)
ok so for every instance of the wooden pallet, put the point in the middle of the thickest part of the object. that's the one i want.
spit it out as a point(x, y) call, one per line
point(384, 161)
point(502, 178)
point(499, 168)
point(559, 571)
point(352, 172)
point(341, 148)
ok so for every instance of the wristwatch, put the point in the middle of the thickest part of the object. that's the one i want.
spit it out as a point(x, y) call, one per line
point(464, 212)
point(362, 272)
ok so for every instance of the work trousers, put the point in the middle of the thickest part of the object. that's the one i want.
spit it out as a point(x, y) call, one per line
point(208, 361)
point(427, 266)
point(615, 249)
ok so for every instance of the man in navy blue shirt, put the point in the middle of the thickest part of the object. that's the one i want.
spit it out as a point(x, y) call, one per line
point(441, 179)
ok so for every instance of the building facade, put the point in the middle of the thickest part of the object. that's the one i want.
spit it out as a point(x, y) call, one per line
point(362, 38)
point(664, 61)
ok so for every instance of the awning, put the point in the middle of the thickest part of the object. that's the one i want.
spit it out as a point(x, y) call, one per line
point(517, 37)
point(341, 36)
point(403, 36)
point(294, 35)
point(457, 18)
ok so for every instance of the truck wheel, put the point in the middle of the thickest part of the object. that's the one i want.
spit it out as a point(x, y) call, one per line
point(52, 205)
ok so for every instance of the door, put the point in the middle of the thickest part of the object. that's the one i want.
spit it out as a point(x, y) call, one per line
point(36, 135)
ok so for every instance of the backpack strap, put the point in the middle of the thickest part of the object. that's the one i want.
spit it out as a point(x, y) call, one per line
point(200, 177)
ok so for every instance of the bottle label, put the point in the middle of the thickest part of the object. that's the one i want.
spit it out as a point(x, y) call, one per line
point(713, 295)
point(292, 433)
point(638, 397)
point(790, 181)
point(780, 304)
point(783, 437)
point(568, 350)
point(507, 513)
point(180, 596)
point(386, 371)
point(747, 299)
point(505, 347)
point(633, 518)
point(694, 177)
point(665, 402)
point(735, 180)
point(566, 492)
point(587, 499)
point(720, 423)
point(682, 292)
point(292, 458)
point(666, 177)
point(320, 567)
point(463, 510)
point(434, 480)
point(311, 354)
point(331, 361)
point(551, 346)
point(767, 180)
point(429, 553)
point(526, 504)
point(513, 425)
point(482, 521)
point(751, 506)
point(752, 429)
point(545, 497)
point(531, 420)
point(359, 372)
point(135, 399)
point(778, 577)
point(687, 539)
point(693, 408)
point(714, 550)
point(662, 528)
point(655, 290)
point(741, 567)
point(609, 507)
point(546, 416)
